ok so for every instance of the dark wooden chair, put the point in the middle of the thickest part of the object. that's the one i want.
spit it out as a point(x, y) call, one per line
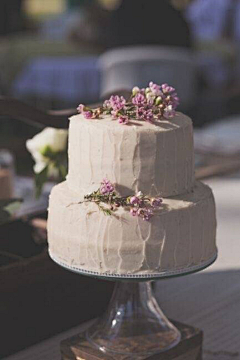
point(17, 109)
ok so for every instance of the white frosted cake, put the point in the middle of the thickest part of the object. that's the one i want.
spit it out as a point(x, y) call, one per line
point(126, 229)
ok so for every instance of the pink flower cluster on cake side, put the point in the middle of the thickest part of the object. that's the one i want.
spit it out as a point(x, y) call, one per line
point(156, 102)
point(139, 205)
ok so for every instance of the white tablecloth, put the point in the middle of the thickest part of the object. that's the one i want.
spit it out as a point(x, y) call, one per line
point(209, 300)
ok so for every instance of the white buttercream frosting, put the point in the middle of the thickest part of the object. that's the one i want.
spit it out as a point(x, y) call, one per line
point(157, 159)
point(180, 236)
point(154, 158)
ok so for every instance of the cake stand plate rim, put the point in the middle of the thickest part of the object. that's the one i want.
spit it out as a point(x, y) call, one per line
point(153, 276)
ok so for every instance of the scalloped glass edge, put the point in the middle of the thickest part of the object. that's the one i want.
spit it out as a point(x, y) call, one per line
point(154, 276)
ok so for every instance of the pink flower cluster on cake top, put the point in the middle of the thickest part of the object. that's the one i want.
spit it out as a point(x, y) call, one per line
point(108, 201)
point(150, 104)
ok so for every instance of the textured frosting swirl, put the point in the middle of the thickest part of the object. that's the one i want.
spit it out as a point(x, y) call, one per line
point(157, 158)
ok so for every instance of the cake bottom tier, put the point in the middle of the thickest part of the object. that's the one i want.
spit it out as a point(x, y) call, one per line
point(180, 238)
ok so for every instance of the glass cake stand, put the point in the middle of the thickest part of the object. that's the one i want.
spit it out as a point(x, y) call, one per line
point(133, 326)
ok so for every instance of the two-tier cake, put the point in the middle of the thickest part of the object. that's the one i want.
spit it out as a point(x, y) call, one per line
point(130, 205)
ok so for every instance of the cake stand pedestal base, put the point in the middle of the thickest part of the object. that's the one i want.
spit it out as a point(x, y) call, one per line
point(189, 348)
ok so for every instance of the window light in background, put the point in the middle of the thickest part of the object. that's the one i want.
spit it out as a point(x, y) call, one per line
point(110, 4)
point(38, 8)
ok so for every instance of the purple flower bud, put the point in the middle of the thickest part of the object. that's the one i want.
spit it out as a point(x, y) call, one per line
point(147, 217)
point(106, 187)
point(88, 114)
point(134, 200)
point(107, 104)
point(133, 212)
point(144, 113)
point(117, 102)
point(148, 213)
point(139, 99)
point(155, 89)
point(156, 202)
point(167, 89)
point(174, 101)
point(148, 116)
point(169, 112)
point(124, 120)
point(80, 108)
point(140, 112)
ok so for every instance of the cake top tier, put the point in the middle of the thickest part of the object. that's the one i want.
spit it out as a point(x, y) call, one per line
point(139, 144)
point(155, 158)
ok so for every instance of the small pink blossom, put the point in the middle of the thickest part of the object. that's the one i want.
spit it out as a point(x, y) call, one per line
point(167, 89)
point(155, 89)
point(106, 187)
point(148, 116)
point(156, 202)
point(88, 114)
point(107, 104)
point(133, 212)
point(134, 200)
point(148, 213)
point(168, 112)
point(80, 108)
point(171, 99)
point(144, 113)
point(174, 101)
point(117, 102)
point(139, 99)
point(140, 111)
point(124, 120)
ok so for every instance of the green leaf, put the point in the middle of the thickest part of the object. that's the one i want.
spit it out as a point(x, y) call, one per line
point(47, 151)
point(105, 210)
point(58, 160)
point(62, 172)
point(40, 180)
point(7, 208)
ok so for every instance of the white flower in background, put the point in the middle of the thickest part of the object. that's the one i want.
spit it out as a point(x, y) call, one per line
point(49, 151)
point(49, 138)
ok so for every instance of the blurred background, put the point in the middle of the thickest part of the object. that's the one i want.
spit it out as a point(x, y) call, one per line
point(56, 54)
point(59, 53)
